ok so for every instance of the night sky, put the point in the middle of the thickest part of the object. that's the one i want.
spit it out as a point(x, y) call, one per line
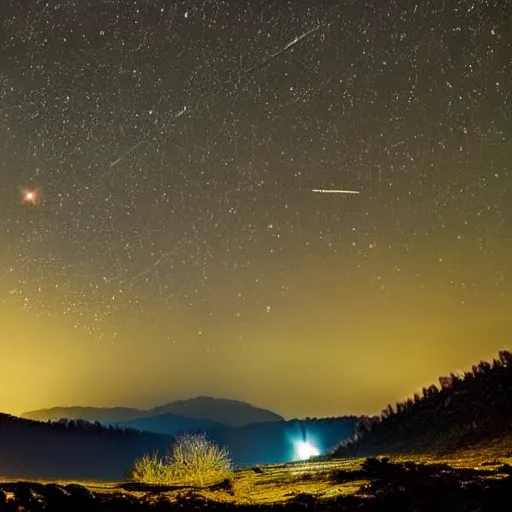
point(159, 237)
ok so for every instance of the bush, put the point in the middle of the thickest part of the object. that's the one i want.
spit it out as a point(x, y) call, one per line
point(193, 459)
point(150, 469)
point(196, 460)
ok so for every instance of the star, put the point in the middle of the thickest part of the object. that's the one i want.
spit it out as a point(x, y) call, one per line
point(31, 197)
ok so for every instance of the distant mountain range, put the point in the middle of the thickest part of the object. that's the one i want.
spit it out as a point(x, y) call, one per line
point(79, 449)
point(103, 414)
point(252, 435)
point(228, 412)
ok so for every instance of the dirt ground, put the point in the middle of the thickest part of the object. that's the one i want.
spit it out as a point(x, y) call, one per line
point(315, 482)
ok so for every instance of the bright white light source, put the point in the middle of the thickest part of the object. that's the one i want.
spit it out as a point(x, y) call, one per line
point(306, 451)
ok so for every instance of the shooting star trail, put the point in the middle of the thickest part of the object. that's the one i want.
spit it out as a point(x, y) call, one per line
point(144, 139)
point(334, 191)
point(146, 270)
point(294, 42)
point(291, 44)
point(126, 153)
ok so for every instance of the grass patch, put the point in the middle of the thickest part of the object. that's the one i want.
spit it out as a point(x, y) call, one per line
point(276, 484)
point(150, 469)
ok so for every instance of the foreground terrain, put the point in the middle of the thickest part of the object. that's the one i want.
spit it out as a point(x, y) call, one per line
point(467, 481)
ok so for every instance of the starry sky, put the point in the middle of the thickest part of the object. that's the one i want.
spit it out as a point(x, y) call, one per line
point(159, 237)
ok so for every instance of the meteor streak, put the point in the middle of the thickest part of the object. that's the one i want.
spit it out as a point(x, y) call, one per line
point(334, 191)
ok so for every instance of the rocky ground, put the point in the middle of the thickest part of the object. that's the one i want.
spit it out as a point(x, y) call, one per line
point(375, 485)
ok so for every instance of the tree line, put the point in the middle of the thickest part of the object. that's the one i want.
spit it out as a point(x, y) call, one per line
point(464, 408)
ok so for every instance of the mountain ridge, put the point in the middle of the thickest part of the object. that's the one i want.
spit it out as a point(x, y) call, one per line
point(221, 410)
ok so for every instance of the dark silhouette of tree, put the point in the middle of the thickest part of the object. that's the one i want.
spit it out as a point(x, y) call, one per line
point(445, 382)
point(505, 358)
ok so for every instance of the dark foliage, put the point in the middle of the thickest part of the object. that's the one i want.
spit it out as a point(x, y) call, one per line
point(465, 410)
point(92, 427)
point(64, 424)
point(71, 448)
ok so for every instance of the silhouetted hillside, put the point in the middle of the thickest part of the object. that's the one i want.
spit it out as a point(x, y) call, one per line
point(474, 408)
point(228, 412)
point(71, 449)
point(169, 424)
point(103, 414)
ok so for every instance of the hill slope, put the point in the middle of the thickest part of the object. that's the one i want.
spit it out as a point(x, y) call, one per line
point(81, 450)
point(473, 409)
point(169, 424)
